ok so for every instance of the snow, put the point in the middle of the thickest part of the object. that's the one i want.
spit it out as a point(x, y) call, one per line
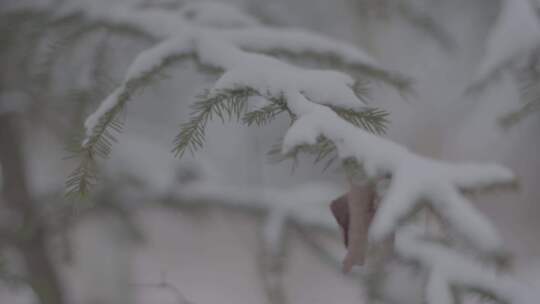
point(515, 33)
point(375, 151)
point(437, 289)
point(414, 178)
point(145, 62)
point(228, 49)
point(450, 269)
point(418, 179)
point(276, 78)
point(107, 105)
point(156, 22)
point(296, 41)
point(474, 176)
point(222, 36)
point(155, 56)
point(215, 14)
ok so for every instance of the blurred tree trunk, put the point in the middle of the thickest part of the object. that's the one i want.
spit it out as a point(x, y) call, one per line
point(30, 237)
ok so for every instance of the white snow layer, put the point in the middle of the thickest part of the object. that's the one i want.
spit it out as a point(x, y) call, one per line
point(515, 33)
point(449, 269)
point(414, 178)
point(227, 48)
point(216, 14)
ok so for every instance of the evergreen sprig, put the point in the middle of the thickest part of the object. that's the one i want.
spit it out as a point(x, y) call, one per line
point(373, 120)
point(229, 103)
point(84, 177)
point(265, 114)
point(99, 143)
point(225, 104)
point(529, 81)
point(322, 151)
point(127, 91)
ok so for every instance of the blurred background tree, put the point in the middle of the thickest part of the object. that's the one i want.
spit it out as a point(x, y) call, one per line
point(58, 64)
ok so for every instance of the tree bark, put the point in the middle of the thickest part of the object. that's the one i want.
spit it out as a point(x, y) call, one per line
point(31, 238)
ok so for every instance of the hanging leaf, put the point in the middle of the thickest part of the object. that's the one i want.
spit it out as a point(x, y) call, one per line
point(354, 212)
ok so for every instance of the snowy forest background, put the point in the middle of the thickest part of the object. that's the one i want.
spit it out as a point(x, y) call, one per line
point(227, 224)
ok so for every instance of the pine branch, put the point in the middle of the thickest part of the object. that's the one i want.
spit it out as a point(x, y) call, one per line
point(83, 178)
point(224, 104)
point(527, 109)
point(267, 113)
point(80, 182)
point(99, 143)
point(529, 81)
point(109, 125)
point(323, 151)
point(373, 120)
point(230, 103)
point(394, 79)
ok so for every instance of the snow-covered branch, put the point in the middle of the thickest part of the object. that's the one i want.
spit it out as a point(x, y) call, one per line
point(513, 38)
point(451, 272)
point(414, 179)
point(224, 49)
point(226, 40)
point(242, 52)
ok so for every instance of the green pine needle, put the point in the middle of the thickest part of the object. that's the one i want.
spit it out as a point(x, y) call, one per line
point(264, 115)
point(83, 178)
point(372, 120)
point(229, 103)
point(324, 151)
point(99, 143)
point(530, 95)
point(225, 104)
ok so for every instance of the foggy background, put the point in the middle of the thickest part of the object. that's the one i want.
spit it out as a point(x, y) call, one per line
point(212, 254)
